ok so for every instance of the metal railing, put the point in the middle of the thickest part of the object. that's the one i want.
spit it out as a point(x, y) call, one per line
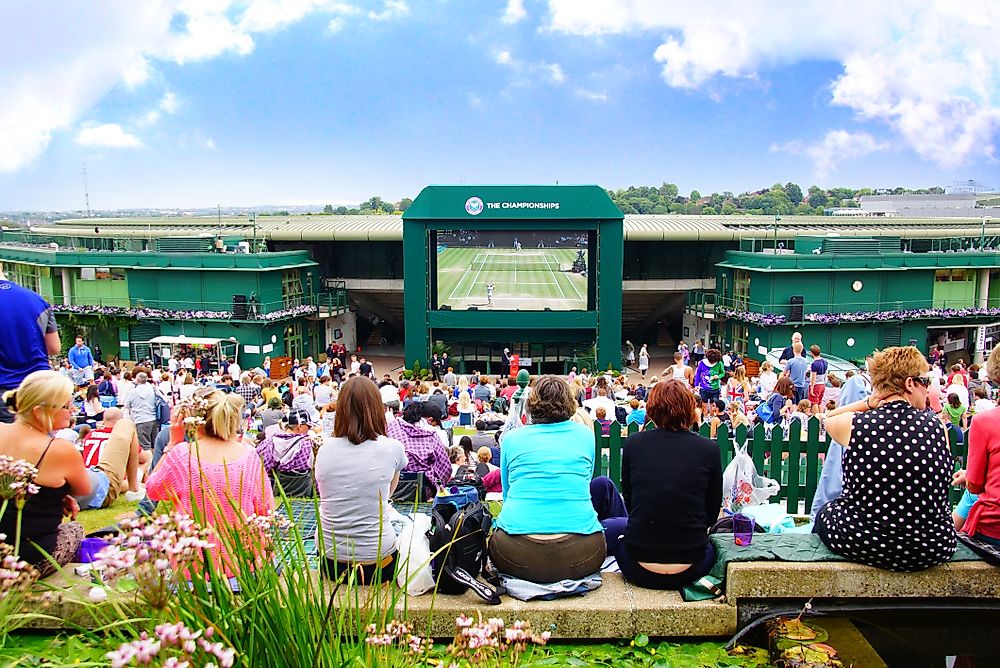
point(706, 304)
point(794, 461)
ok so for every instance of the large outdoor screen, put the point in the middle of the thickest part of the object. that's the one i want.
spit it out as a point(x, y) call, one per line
point(512, 271)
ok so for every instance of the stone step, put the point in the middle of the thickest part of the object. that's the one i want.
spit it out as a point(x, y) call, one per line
point(616, 609)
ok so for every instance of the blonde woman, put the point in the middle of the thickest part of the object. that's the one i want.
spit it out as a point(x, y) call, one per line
point(766, 381)
point(218, 477)
point(465, 409)
point(43, 405)
point(738, 387)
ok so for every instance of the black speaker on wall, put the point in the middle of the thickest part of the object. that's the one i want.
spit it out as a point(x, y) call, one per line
point(795, 312)
point(240, 307)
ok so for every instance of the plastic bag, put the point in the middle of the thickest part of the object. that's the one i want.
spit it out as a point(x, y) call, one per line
point(414, 571)
point(742, 486)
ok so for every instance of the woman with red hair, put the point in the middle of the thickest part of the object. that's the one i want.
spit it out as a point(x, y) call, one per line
point(672, 487)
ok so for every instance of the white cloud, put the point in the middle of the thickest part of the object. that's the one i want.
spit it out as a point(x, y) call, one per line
point(93, 48)
point(837, 146)
point(392, 9)
point(210, 143)
point(592, 95)
point(475, 101)
point(514, 12)
point(927, 70)
point(167, 105)
point(527, 72)
point(108, 135)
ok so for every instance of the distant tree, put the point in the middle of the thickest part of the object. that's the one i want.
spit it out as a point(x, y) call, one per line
point(661, 209)
point(328, 209)
point(804, 209)
point(341, 211)
point(695, 196)
point(794, 193)
point(668, 191)
point(404, 204)
point(729, 209)
point(818, 196)
point(709, 211)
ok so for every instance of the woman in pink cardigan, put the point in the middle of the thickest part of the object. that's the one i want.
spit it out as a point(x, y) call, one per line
point(217, 479)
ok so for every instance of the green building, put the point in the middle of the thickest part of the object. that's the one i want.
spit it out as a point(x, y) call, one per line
point(851, 296)
point(369, 280)
point(270, 304)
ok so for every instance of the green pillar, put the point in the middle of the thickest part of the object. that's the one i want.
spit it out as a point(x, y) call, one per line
point(415, 293)
point(610, 258)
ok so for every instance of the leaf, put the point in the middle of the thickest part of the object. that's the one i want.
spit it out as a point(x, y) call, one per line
point(641, 640)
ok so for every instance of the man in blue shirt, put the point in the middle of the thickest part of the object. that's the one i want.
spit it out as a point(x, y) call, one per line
point(82, 361)
point(28, 335)
point(798, 371)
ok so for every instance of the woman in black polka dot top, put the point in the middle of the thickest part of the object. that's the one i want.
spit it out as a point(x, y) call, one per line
point(894, 511)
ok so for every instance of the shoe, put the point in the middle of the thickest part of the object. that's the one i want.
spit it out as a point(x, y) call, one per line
point(133, 497)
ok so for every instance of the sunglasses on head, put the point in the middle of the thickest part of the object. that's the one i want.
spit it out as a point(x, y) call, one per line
point(923, 380)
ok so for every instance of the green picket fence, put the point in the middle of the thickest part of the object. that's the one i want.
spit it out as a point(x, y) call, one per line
point(794, 462)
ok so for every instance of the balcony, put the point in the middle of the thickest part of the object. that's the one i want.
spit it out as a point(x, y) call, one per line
point(712, 306)
point(320, 305)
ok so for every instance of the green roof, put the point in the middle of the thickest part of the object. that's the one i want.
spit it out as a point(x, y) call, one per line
point(797, 262)
point(512, 202)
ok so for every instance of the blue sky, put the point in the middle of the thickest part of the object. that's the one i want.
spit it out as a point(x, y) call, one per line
point(252, 102)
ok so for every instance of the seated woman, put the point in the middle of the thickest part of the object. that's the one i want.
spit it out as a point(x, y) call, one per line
point(893, 512)
point(982, 475)
point(43, 404)
point(92, 406)
point(548, 529)
point(356, 472)
point(669, 467)
point(217, 479)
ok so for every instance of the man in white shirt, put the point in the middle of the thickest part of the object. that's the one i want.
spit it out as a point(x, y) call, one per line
point(235, 371)
point(600, 400)
point(310, 367)
point(173, 365)
point(982, 404)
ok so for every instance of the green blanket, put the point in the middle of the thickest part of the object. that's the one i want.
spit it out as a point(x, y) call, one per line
point(785, 547)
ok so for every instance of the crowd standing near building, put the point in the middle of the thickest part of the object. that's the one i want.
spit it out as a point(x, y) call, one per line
point(337, 430)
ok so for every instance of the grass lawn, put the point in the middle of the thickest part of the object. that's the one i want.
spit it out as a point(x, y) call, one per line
point(93, 520)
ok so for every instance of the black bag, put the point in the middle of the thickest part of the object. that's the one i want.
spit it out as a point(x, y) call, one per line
point(294, 484)
point(457, 540)
point(620, 415)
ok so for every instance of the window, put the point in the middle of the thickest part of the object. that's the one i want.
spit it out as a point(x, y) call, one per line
point(741, 289)
point(291, 288)
point(740, 336)
point(25, 275)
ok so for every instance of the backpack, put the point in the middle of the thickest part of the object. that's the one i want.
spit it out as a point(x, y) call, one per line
point(460, 523)
point(501, 405)
point(620, 415)
point(162, 408)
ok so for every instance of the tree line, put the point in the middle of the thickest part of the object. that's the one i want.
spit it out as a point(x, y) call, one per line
point(782, 200)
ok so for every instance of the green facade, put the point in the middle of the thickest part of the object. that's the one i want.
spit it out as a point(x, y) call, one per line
point(178, 283)
point(514, 208)
point(899, 297)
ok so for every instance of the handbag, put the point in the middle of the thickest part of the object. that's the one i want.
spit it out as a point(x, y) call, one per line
point(764, 412)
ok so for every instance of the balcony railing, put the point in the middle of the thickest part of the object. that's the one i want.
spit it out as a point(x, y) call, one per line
point(709, 305)
point(162, 309)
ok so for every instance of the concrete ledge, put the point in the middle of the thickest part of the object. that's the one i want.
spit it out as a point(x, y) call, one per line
point(617, 609)
point(839, 579)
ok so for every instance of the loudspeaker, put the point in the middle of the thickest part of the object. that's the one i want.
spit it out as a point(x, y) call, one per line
point(795, 312)
point(240, 307)
point(445, 307)
point(473, 308)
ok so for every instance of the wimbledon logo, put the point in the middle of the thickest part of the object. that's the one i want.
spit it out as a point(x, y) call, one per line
point(473, 206)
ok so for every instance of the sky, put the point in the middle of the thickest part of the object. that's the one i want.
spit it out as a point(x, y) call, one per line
point(194, 103)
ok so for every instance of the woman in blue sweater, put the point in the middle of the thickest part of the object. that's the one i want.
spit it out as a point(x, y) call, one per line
point(548, 529)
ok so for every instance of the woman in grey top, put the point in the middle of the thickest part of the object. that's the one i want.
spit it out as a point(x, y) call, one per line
point(356, 473)
point(273, 414)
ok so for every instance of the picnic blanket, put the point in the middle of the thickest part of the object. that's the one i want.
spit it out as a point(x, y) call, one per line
point(785, 547)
